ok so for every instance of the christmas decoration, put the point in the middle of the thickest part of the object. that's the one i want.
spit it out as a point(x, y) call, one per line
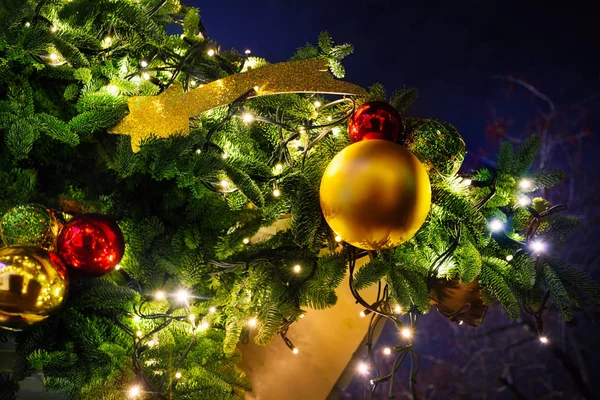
point(28, 225)
point(437, 144)
point(91, 244)
point(459, 302)
point(375, 120)
point(169, 112)
point(33, 284)
point(375, 194)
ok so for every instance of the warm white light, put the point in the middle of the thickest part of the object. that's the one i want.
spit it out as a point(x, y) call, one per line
point(183, 296)
point(467, 182)
point(134, 391)
point(297, 268)
point(544, 339)
point(193, 82)
point(461, 322)
point(212, 310)
point(178, 375)
point(151, 343)
point(146, 75)
point(509, 257)
point(338, 238)
point(27, 24)
point(252, 322)
point(247, 117)
point(224, 184)
point(329, 118)
point(198, 151)
point(387, 351)
point(525, 184)
point(136, 318)
point(317, 104)
point(301, 315)
point(247, 51)
point(398, 309)
point(295, 350)
point(246, 240)
point(276, 193)
point(53, 28)
point(210, 52)
point(524, 201)
point(112, 89)
point(192, 318)
point(203, 326)
point(118, 267)
point(363, 368)
point(537, 246)
point(143, 63)
point(496, 225)
point(224, 156)
point(362, 314)
point(335, 131)
point(406, 333)
point(139, 334)
point(53, 56)
point(256, 88)
point(279, 166)
point(108, 40)
point(160, 295)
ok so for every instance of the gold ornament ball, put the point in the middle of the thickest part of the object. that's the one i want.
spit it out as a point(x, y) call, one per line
point(375, 194)
point(33, 283)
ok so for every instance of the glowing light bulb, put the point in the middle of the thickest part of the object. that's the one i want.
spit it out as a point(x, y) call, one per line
point(108, 40)
point(192, 318)
point(537, 246)
point(134, 391)
point(212, 310)
point(363, 368)
point(276, 193)
point(362, 314)
point(198, 151)
point(301, 315)
point(329, 118)
point(252, 322)
point(151, 343)
point(256, 88)
point(203, 326)
point(247, 117)
point(387, 351)
point(524, 201)
point(193, 82)
point(136, 318)
point(118, 267)
point(224, 156)
point(406, 333)
point(279, 166)
point(496, 225)
point(461, 322)
point(53, 28)
point(146, 75)
point(397, 309)
point(297, 268)
point(210, 52)
point(224, 184)
point(467, 182)
point(338, 238)
point(317, 104)
point(53, 56)
point(509, 257)
point(160, 295)
point(112, 89)
point(246, 240)
point(544, 339)
point(295, 350)
point(178, 375)
point(182, 296)
point(143, 63)
point(525, 183)
point(247, 51)
point(139, 334)
point(27, 24)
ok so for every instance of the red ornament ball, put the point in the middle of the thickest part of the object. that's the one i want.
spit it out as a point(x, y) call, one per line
point(375, 120)
point(91, 244)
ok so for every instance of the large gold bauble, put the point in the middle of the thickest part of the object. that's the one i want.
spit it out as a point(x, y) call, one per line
point(33, 283)
point(375, 194)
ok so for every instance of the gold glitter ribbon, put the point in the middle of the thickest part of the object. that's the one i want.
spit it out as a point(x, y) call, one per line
point(170, 111)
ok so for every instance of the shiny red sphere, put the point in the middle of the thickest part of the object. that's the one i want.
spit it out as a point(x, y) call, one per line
point(91, 244)
point(375, 120)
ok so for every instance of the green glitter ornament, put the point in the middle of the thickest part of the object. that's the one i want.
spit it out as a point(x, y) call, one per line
point(437, 144)
point(29, 225)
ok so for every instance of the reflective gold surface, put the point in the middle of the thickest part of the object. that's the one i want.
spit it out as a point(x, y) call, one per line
point(33, 283)
point(375, 194)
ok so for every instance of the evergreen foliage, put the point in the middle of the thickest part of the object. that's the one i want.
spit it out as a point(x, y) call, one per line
point(67, 69)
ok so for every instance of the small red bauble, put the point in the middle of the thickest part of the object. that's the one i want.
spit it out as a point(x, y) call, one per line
point(375, 120)
point(91, 244)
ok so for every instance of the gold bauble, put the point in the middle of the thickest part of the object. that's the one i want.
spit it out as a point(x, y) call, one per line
point(375, 194)
point(33, 283)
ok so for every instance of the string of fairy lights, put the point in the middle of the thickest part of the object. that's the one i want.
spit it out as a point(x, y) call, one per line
point(381, 310)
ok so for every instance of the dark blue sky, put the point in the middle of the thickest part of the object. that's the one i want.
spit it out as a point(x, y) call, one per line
point(447, 51)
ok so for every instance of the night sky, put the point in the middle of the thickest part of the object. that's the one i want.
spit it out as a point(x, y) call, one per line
point(448, 53)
